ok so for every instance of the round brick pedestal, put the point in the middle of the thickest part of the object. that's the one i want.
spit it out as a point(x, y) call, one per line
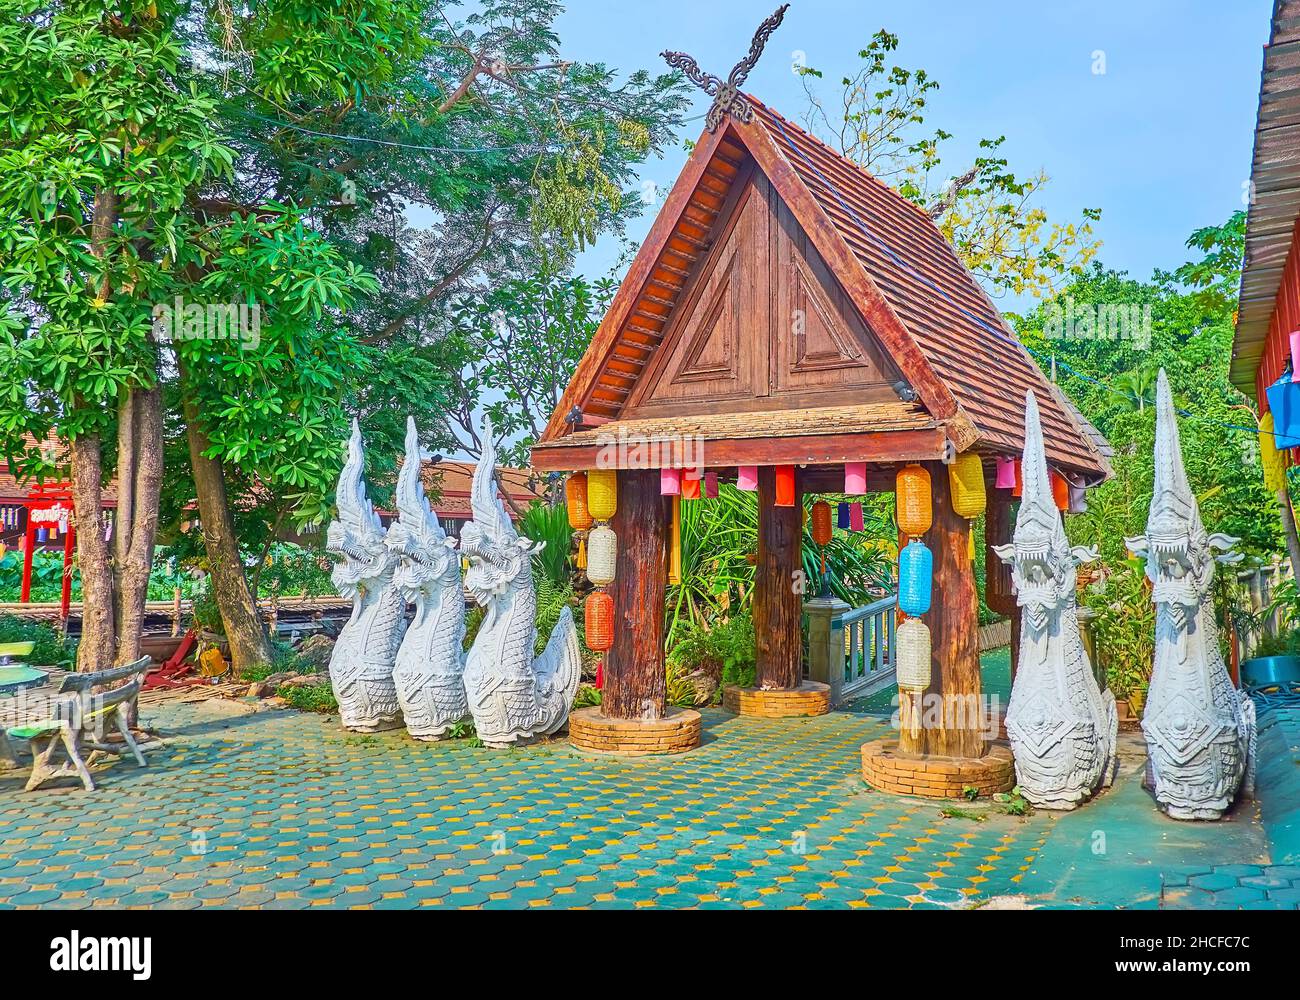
point(809, 698)
point(676, 732)
point(887, 770)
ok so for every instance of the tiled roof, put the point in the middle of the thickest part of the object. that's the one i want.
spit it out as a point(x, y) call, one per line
point(949, 316)
point(929, 313)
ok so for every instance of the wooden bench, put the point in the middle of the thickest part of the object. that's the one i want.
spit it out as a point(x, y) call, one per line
point(79, 719)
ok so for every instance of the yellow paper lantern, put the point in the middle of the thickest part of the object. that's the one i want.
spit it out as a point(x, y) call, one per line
point(602, 555)
point(1274, 461)
point(966, 482)
point(912, 499)
point(602, 493)
point(913, 638)
point(575, 501)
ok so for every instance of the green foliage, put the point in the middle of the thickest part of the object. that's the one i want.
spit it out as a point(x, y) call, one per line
point(549, 523)
point(724, 651)
point(587, 696)
point(49, 649)
point(310, 697)
point(970, 793)
point(47, 576)
point(551, 600)
point(514, 347)
point(1013, 803)
point(993, 218)
point(1124, 626)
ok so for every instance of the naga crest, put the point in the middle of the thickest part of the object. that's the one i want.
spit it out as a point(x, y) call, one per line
point(427, 555)
point(1043, 565)
point(1179, 554)
point(497, 555)
point(357, 535)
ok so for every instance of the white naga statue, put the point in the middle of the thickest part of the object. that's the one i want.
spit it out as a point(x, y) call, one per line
point(1063, 729)
point(430, 663)
point(1200, 730)
point(361, 666)
point(513, 697)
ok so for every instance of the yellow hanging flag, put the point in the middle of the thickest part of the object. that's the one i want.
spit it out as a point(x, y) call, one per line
point(1273, 461)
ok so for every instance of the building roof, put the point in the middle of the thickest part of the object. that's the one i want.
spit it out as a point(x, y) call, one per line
point(1275, 201)
point(450, 482)
point(968, 371)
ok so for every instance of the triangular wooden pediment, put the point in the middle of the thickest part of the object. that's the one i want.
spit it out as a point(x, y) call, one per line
point(762, 319)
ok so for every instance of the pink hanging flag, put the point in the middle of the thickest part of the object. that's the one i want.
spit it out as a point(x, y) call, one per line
point(711, 485)
point(1006, 473)
point(855, 516)
point(1295, 356)
point(855, 478)
point(747, 478)
point(670, 482)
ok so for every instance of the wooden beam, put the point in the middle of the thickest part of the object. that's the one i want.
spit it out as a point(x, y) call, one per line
point(814, 449)
point(778, 603)
point(954, 633)
point(636, 685)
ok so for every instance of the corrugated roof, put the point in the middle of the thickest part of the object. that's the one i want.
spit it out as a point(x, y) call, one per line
point(1275, 189)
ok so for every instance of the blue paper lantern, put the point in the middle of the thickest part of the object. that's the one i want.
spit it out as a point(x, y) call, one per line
point(915, 576)
point(842, 515)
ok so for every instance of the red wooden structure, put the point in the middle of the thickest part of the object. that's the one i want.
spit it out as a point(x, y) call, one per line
point(787, 308)
point(49, 505)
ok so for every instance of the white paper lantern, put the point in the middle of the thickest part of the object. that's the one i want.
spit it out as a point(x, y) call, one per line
point(913, 638)
point(602, 555)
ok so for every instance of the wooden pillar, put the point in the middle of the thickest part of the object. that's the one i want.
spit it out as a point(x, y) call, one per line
point(954, 634)
point(778, 603)
point(636, 685)
point(998, 528)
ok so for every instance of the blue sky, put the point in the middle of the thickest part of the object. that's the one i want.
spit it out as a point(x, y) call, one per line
point(1161, 142)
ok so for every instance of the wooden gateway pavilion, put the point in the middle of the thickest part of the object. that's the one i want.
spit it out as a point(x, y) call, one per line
point(788, 309)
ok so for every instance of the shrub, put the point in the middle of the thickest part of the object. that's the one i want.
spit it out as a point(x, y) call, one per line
point(50, 649)
point(724, 652)
point(310, 697)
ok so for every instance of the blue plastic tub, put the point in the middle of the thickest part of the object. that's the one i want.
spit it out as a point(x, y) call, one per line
point(1265, 671)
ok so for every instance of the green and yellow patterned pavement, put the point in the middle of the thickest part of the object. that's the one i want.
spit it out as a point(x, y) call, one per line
point(280, 809)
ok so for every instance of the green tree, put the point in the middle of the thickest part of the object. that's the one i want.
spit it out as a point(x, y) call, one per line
point(992, 217)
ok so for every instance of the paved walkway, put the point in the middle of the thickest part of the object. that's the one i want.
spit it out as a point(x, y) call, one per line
point(275, 808)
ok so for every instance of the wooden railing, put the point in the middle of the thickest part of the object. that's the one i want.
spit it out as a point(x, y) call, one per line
point(851, 649)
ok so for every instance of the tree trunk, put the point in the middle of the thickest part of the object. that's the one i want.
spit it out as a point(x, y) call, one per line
point(778, 602)
point(954, 634)
point(248, 641)
point(98, 644)
point(139, 482)
point(636, 686)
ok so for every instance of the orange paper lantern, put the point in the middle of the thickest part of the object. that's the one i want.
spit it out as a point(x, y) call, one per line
point(912, 500)
point(1060, 491)
point(821, 522)
point(785, 486)
point(599, 621)
point(575, 501)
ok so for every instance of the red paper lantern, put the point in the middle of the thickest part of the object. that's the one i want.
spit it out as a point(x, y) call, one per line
point(821, 523)
point(785, 486)
point(599, 621)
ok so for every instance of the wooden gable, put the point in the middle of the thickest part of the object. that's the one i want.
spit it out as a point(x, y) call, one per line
point(762, 325)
